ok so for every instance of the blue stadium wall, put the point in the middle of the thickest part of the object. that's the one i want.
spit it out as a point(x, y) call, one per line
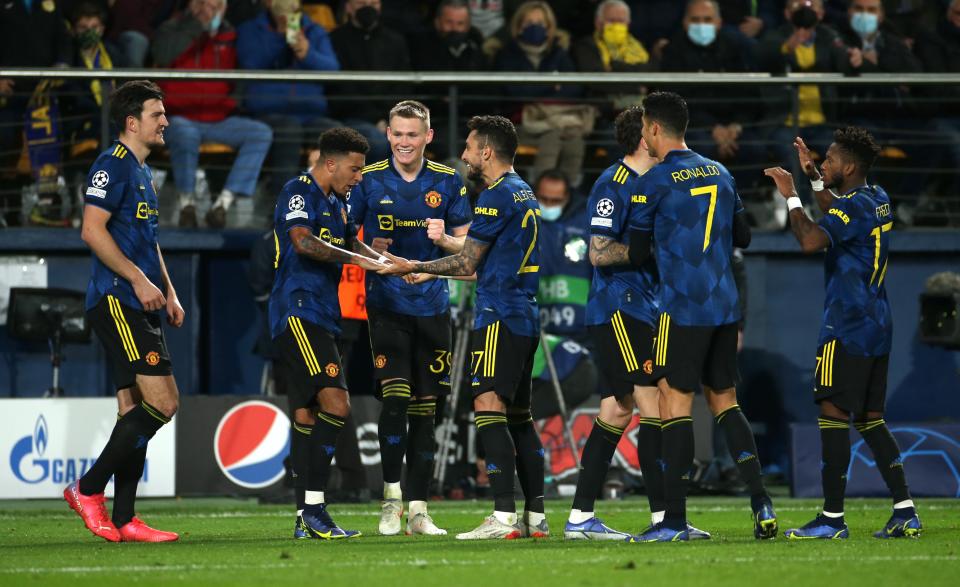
point(213, 352)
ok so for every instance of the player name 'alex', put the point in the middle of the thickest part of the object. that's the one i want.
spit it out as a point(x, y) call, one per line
point(694, 172)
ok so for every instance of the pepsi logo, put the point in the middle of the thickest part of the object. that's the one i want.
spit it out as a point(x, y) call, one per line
point(251, 442)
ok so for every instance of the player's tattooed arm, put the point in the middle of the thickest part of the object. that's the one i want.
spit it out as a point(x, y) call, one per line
point(361, 248)
point(462, 264)
point(606, 251)
point(308, 245)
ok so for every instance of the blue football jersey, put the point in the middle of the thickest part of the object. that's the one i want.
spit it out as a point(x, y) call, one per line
point(388, 206)
point(856, 310)
point(119, 184)
point(507, 217)
point(689, 205)
point(619, 287)
point(565, 271)
point(304, 287)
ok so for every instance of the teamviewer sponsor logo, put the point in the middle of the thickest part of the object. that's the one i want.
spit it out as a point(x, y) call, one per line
point(251, 442)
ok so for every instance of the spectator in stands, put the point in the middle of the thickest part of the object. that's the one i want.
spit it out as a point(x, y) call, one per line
point(81, 101)
point(363, 44)
point(721, 128)
point(557, 129)
point(939, 52)
point(453, 44)
point(876, 49)
point(612, 47)
point(296, 111)
point(746, 20)
point(661, 19)
point(489, 16)
point(31, 35)
point(803, 44)
point(132, 23)
point(204, 111)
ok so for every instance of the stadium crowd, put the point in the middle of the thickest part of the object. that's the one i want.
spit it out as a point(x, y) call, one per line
point(263, 127)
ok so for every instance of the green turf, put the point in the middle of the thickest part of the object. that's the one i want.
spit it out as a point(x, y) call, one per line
point(234, 542)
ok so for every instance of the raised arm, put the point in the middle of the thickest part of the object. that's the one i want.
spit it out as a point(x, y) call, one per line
point(606, 251)
point(811, 237)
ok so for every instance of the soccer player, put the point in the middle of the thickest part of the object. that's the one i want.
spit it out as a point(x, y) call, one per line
point(313, 239)
point(693, 213)
point(621, 310)
point(501, 247)
point(403, 205)
point(854, 344)
point(129, 287)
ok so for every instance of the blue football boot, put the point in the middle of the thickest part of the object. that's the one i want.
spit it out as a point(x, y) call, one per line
point(901, 527)
point(320, 525)
point(696, 533)
point(765, 522)
point(820, 527)
point(660, 533)
point(300, 531)
point(592, 529)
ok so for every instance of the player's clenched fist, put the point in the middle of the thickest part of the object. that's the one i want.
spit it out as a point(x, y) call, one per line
point(435, 229)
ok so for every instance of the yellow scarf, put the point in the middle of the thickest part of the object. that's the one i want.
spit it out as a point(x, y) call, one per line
point(631, 52)
point(100, 60)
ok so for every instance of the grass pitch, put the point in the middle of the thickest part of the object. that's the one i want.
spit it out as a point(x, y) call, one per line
point(237, 542)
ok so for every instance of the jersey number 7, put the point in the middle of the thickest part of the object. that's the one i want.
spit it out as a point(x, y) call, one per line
point(710, 190)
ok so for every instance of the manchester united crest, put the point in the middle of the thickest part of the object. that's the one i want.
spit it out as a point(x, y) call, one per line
point(153, 358)
point(332, 370)
point(380, 362)
point(433, 199)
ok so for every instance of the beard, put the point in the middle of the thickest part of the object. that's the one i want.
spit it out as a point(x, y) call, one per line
point(474, 174)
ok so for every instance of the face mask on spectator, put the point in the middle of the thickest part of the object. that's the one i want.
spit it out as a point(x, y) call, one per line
point(550, 213)
point(804, 18)
point(864, 23)
point(615, 33)
point(534, 34)
point(455, 39)
point(215, 22)
point(88, 38)
point(367, 17)
point(702, 33)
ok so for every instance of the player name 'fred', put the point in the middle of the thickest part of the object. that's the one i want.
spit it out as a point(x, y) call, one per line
point(694, 172)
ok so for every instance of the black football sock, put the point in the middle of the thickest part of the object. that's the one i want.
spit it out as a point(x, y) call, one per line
point(125, 482)
point(530, 468)
point(299, 456)
point(393, 428)
point(649, 450)
point(886, 453)
point(594, 463)
point(743, 449)
point(421, 448)
point(835, 454)
point(677, 437)
point(323, 443)
point(131, 432)
point(501, 461)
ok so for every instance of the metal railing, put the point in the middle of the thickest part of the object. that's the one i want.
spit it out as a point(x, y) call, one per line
point(459, 91)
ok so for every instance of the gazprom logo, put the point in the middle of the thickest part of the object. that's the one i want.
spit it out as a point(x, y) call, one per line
point(37, 470)
point(29, 463)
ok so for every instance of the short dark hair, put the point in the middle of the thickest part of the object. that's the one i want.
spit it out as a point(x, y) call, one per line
point(554, 174)
point(451, 4)
point(628, 128)
point(858, 144)
point(499, 133)
point(341, 141)
point(128, 99)
point(87, 10)
point(668, 109)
